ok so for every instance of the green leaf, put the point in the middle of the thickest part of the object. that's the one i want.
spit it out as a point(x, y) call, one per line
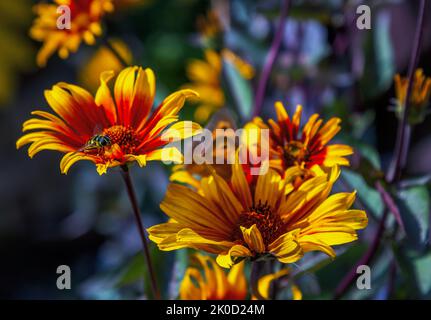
point(136, 270)
point(369, 196)
point(379, 66)
point(330, 275)
point(240, 90)
point(182, 261)
point(414, 205)
point(415, 270)
point(362, 122)
point(384, 50)
point(369, 153)
point(423, 273)
point(133, 271)
point(416, 181)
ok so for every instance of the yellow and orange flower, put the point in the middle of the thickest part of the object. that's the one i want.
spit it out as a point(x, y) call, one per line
point(208, 281)
point(420, 95)
point(124, 119)
point(85, 25)
point(290, 146)
point(213, 283)
point(236, 220)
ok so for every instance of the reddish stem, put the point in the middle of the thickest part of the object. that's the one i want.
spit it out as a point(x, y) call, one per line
point(270, 59)
point(401, 148)
point(140, 225)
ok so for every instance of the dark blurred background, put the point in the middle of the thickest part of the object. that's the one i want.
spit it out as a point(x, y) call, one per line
point(84, 220)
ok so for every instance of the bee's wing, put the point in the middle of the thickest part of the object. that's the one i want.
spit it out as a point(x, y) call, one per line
point(98, 128)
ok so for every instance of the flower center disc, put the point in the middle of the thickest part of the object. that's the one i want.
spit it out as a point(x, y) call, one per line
point(294, 152)
point(124, 137)
point(269, 224)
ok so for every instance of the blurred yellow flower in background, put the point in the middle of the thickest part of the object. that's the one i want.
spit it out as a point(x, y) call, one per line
point(206, 79)
point(209, 27)
point(236, 220)
point(243, 67)
point(16, 53)
point(213, 283)
point(264, 285)
point(103, 59)
point(86, 24)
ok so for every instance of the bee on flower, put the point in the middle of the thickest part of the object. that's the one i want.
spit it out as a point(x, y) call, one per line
point(126, 129)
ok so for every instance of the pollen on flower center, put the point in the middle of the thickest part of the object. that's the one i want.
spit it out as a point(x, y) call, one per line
point(294, 152)
point(124, 137)
point(269, 223)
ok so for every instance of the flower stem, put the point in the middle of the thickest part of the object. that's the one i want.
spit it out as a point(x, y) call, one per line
point(270, 59)
point(398, 161)
point(390, 204)
point(256, 270)
point(403, 132)
point(115, 52)
point(133, 200)
point(392, 279)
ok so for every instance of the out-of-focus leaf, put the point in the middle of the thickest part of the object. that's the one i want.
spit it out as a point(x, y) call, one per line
point(312, 265)
point(133, 271)
point(369, 153)
point(414, 205)
point(383, 50)
point(362, 122)
point(380, 66)
point(181, 263)
point(415, 270)
point(240, 89)
point(417, 181)
point(330, 275)
point(369, 196)
point(423, 272)
point(379, 279)
point(136, 270)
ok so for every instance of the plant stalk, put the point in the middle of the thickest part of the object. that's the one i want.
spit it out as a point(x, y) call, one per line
point(270, 59)
point(400, 155)
point(134, 202)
